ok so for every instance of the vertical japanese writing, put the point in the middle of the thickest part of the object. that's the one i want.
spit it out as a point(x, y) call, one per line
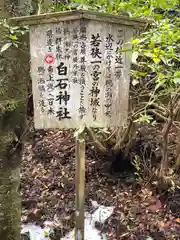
point(58, 41)
point(82, 80)
point(75, 40)
point(63, 97)
point(109, 83)
point(50, 89)
point(80, 72)
point(96, 61)
point(41, 88)
point(119, 58)
point(49, 35)
point(67, 41)
point(49, 69)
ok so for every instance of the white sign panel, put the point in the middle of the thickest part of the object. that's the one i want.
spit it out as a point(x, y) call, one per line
point(79, 73)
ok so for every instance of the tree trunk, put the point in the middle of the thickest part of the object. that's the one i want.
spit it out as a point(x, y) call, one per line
point(14, 76)
point(10, 204)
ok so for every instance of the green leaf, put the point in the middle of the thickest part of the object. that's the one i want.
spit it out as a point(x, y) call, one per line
point(177, 80)
point(144, 118)
point(5, 47)
point(135, 41)
point(13, 37)
point(46, 234)
point(155, 58)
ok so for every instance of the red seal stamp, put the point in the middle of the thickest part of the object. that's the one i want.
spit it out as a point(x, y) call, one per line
point(49, 59)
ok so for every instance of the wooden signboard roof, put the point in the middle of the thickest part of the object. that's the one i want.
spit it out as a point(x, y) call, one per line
point(75, 15)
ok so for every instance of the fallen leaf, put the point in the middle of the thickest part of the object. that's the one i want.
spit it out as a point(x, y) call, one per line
point(163, 225)
point(177, 220)
point(155, 207)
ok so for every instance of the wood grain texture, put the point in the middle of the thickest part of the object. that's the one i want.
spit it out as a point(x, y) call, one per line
point(78, 14)
point(80, 187)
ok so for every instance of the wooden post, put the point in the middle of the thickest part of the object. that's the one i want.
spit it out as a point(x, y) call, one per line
point(80, 185)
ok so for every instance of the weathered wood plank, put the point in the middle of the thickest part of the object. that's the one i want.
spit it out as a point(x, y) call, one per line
point(78, 14)
point(80, 186)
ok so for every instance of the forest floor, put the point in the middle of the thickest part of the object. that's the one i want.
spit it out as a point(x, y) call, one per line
point(48, 190)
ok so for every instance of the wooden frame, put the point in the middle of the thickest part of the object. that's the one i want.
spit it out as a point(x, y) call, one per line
point(78, 14)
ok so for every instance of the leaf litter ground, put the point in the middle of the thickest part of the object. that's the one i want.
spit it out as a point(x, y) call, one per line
point(48, 192)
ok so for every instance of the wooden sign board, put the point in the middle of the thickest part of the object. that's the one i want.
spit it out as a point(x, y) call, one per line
point(79, 75)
